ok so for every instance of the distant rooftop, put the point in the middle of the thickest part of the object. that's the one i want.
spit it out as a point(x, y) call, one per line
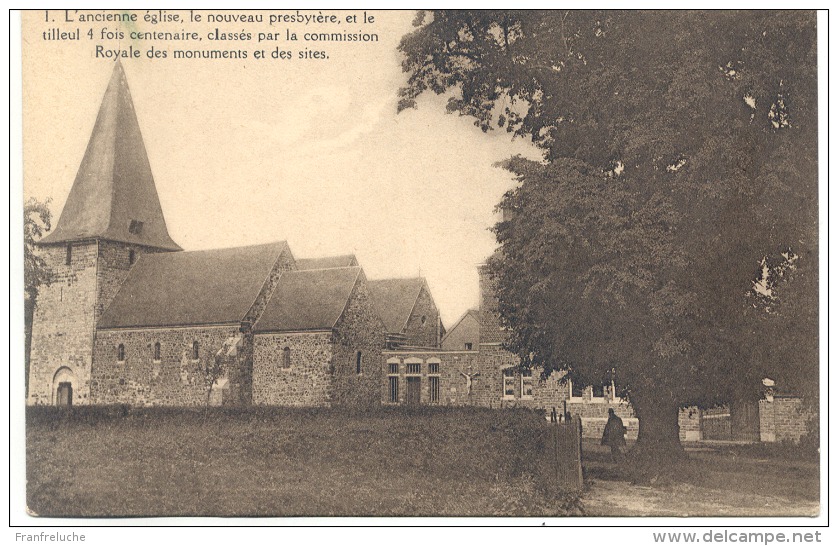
point(394, 300)
point(328, 262)
point(308, 300)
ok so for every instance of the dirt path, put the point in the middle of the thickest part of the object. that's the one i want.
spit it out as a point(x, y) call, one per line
point(714, 482)
point(616, 498)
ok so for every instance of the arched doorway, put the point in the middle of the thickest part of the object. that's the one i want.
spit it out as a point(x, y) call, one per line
point(63, 383)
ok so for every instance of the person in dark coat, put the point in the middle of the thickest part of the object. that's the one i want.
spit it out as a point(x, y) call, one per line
point(614, 435)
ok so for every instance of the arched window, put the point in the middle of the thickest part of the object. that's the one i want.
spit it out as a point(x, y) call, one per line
point(195, 350)
point(358, 360)
point(286, 358)
point(157, 351)
point(120, 353)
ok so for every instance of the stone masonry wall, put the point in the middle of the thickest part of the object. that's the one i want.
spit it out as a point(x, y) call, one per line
point(63, 323)
point(422, 327)
point(490, 329)
point(306, 383)
point(175, 380)
point(358, 329)
point(782, 419)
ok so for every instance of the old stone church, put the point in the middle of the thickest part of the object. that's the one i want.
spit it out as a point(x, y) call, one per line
point(131, 318)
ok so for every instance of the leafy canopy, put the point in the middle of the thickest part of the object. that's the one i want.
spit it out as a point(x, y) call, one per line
point(671, 231)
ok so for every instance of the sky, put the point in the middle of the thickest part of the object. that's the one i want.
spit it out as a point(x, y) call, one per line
point(308, 151)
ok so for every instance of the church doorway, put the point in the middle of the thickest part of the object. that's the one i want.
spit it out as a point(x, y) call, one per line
point(64, 396)
point(63, 384)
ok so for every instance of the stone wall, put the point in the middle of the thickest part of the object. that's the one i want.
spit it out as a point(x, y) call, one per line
point(422, 327)
point(783, 419)
point(490, 329)
point(63, 324)
point(174, 380)
point(359, 329)
point(307, 382)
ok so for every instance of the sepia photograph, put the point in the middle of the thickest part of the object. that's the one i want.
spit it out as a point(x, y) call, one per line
point(517, 264)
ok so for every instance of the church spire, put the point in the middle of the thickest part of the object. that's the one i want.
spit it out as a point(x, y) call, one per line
point(113, 197)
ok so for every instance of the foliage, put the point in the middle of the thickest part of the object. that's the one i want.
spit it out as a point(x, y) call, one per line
point(213, 369)
point(671, 231)
point(37, 220)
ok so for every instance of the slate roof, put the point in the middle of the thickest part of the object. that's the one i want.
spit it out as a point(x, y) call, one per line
point(192, 288)
point(328, 262)
point(394, 300)
point(473, 313)
point(308, 300)
point(114, 188)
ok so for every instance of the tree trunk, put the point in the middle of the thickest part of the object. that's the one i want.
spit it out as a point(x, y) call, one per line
point(658, 441)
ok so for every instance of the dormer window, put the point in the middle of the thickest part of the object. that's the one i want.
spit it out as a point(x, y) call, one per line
point(136, 227)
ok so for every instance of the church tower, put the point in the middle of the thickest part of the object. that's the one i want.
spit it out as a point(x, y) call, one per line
point(112, 216)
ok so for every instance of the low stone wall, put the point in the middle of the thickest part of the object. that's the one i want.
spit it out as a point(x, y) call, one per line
point(782, 419)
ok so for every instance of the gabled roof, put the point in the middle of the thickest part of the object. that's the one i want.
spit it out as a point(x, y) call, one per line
point(308, 300)
point(328, 262)
point(192, 288)
point(471, 313)
point(394, 300)
point(113, 196)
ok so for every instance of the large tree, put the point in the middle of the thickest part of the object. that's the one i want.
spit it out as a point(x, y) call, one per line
point(670, 233)
point(37, 220)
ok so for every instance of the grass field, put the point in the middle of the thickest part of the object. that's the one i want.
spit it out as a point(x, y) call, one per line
point(284, 462)
point(387, 462)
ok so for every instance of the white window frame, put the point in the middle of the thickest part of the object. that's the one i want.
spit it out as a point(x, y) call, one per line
point(525, 396)
point(504, 379)
point(570, 397)
point(414, 361)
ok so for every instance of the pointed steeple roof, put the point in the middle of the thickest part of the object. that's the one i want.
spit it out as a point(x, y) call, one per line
point(114, 197)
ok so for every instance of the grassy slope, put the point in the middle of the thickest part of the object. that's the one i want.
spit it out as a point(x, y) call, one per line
point(282, 462)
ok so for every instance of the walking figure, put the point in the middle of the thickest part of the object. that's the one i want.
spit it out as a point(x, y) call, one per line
point(614, 436)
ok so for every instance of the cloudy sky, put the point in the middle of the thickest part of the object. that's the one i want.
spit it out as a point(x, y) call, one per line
point(312, 152)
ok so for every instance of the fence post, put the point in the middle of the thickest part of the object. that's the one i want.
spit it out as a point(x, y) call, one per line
point(567, 450)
